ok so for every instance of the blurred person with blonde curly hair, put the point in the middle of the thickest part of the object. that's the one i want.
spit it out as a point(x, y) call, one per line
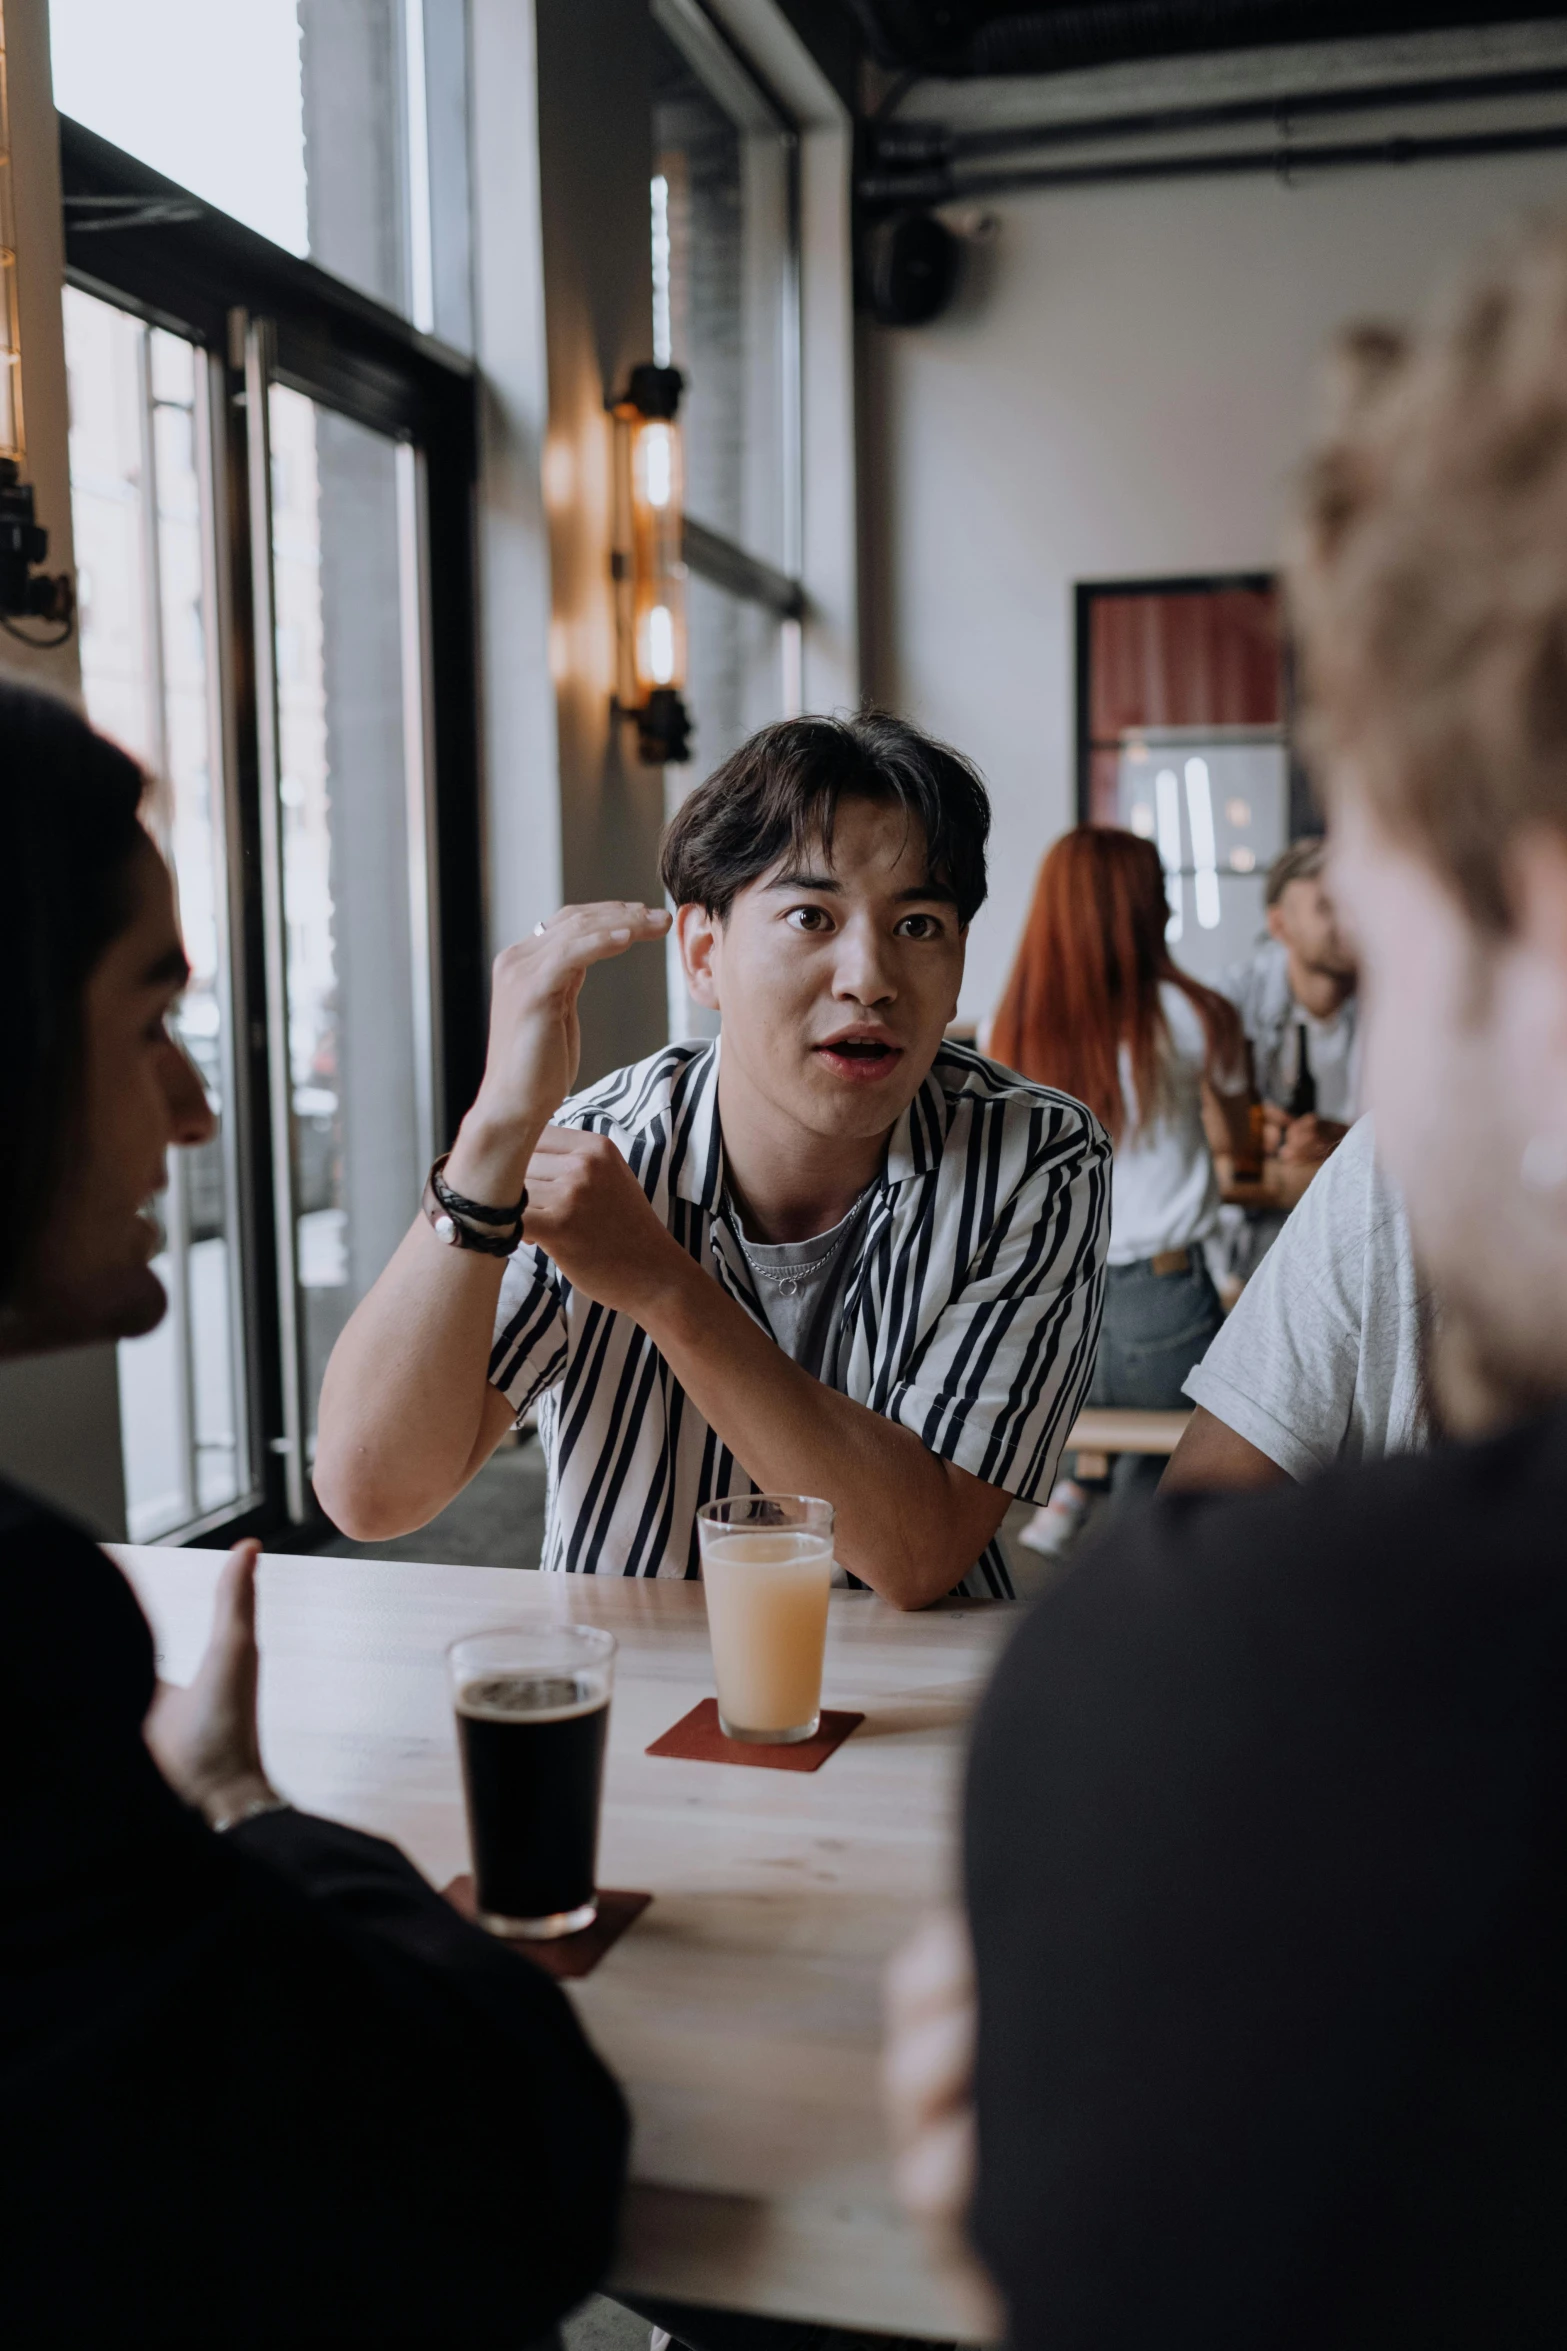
point(1272, 2046)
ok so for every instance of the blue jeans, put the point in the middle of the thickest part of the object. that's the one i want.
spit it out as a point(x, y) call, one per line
point(1156, 1326)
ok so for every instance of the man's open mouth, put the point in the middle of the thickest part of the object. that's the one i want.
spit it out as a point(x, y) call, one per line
point(860, 1057)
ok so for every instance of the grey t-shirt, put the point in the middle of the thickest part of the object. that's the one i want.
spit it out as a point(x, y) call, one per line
point(1320, 1362)
point(801, 1285)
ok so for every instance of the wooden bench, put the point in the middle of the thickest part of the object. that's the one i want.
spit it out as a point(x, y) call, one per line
point(1103, 1429)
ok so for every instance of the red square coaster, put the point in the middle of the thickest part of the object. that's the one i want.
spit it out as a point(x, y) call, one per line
point(696, 1738)
point(567, 1955)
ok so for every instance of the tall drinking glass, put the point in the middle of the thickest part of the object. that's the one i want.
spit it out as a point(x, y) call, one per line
point(532, 1717)
point(767, 1568)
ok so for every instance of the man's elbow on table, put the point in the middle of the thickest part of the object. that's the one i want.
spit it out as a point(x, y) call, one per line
point(363, 1505)
point(918, 1564)
point(371, 1491)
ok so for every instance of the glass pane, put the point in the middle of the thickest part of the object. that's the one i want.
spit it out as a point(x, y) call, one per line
point(352, 969)
point(1216, 800)
point(723, 292)
point(290, 115)
point(137, 510)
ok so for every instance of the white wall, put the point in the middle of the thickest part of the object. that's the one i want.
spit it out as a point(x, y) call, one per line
point(1121, 388)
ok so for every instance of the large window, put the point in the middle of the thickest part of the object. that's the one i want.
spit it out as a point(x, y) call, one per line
point(335, 128)
point(271, 502)
point(726, 312)
point(142, 515)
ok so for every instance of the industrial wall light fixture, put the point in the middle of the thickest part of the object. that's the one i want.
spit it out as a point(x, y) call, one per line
point(23, 544)
point(649, 564)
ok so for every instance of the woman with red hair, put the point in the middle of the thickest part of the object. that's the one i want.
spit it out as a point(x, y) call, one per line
point(1097, 1007)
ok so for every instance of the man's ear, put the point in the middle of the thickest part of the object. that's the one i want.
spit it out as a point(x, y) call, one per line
point(700, 935)
point(1276, 928)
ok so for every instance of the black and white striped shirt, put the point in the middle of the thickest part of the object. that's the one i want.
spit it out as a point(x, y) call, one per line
point(970, 1315)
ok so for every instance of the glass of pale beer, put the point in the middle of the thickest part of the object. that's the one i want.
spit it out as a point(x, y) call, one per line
point(767, 1569)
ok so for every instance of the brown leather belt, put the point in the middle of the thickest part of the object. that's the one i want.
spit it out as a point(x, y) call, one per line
point(1172, 1261)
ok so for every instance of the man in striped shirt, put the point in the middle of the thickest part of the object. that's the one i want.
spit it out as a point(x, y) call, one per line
point(834, 1254)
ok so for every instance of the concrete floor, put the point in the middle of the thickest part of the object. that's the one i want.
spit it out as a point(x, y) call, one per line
point(601, 2325)
point(496, 1521)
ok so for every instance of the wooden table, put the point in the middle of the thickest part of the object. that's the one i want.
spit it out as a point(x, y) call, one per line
point(742, 2011)
point(1113, 1428)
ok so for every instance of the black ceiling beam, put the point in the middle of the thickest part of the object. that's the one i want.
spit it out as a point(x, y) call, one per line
point(959, 38)
point(1282, 160)
point(930, 144)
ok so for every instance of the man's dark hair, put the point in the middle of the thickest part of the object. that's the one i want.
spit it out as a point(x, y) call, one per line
point(69, 829)
point(779, 794)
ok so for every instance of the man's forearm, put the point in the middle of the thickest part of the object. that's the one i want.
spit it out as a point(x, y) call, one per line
point(405, 1394)
point(902, 1526)
point(406, 1401)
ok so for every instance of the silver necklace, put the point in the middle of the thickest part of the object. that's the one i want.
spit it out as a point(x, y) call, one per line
point(787, 1278)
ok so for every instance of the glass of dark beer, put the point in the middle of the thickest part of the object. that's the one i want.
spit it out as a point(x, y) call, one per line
point(532, 1716)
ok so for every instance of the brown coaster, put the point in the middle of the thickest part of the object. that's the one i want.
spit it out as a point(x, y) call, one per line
point(696, 1738)
point(567, 1955)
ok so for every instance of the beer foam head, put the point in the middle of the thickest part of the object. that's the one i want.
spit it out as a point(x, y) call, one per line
point(531, 1697)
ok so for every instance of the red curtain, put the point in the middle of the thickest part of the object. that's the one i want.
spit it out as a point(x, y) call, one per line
point(1177, 658)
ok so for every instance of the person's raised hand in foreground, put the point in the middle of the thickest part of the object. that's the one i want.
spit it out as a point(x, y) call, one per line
point(204, 1739)
point(928, 2089)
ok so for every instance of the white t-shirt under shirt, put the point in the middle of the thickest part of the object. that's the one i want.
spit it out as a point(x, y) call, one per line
point(1320, 1361)
point(1163, 1190)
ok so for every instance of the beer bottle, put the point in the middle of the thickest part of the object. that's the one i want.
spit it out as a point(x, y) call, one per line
point(1303, 1096)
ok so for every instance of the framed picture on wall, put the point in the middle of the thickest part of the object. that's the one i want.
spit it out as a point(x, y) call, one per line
point(1183, 736)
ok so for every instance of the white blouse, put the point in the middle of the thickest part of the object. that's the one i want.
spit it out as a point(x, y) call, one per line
point(1164, 1193)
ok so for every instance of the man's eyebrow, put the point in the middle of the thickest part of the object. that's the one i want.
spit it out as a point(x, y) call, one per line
point(170, 970)
point(920, 893)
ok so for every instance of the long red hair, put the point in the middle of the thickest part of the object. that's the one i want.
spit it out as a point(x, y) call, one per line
point(1087, 977)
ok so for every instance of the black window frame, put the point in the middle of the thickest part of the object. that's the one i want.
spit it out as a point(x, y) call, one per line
point(142, 242)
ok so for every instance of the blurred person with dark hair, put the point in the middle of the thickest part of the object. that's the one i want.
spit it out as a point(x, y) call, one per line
point(1272, 2047)
point(832, 1253)
point(260, 2083)
point(1097, 1007)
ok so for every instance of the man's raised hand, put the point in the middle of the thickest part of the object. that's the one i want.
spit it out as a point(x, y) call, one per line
point(535, 1043)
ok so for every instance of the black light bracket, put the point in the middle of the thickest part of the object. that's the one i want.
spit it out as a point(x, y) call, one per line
point(663, 722)
point(25, 593)
point(663, 729)
point(653, 391)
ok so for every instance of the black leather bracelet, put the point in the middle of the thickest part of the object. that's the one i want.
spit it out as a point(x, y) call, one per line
point(456, 1205)
point(448, 1213)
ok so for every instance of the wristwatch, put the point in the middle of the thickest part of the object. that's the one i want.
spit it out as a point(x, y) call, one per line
point(253, 1808)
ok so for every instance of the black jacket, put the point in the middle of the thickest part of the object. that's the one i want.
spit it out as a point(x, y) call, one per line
point(1266, 1822)
point(259, 2088)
